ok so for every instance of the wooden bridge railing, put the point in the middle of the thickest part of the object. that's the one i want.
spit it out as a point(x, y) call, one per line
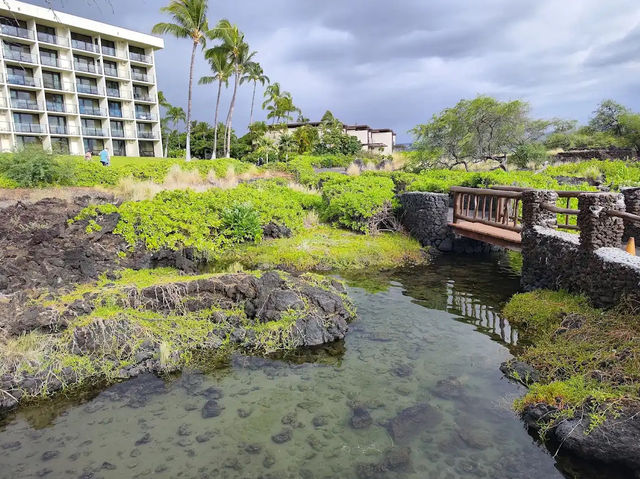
point(491, 207)
point(493, 214)
point(565, 212)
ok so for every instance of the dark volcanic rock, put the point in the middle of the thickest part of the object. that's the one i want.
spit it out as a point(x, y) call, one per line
point(413, 420)
point(520, 371)
point(360, 418)
point(283, 436)
point(211, 409)
point(616, 442)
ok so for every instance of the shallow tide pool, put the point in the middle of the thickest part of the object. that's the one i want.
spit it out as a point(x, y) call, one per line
point(413, 392)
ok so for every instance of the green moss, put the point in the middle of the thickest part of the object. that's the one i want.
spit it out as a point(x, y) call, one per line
point(539, 313)
point(177, 337)
point(323, 248)
point(587, 365)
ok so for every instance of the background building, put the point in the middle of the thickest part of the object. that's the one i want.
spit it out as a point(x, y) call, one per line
point(375, 140)
point(76, 84)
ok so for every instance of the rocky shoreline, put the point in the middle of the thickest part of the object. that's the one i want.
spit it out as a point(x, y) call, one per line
point(116, 330)
point(615, 443)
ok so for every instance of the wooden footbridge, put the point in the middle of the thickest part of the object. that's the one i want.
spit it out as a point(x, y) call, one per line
point(494, 215)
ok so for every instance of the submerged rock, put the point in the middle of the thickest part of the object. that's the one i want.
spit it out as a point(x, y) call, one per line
point(360, 418)
point(520, 371)
point(615, 442)
point(413, 420)
point(211, 409)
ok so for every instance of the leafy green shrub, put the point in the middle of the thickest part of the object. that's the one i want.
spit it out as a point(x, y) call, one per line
point(33, 166)
point(8, 183)
point(241, 223)
point(353, 201)
point(535, 153)
point(209, 221)
point(616, 173)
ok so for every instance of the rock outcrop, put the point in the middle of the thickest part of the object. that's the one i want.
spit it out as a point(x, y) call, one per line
point(40, 249)
point(120, 331)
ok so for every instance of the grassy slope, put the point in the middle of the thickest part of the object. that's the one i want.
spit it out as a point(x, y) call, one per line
point(325, 248)
point(586, 368)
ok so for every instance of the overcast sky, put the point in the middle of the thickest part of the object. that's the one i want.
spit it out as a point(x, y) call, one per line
point(393, 64)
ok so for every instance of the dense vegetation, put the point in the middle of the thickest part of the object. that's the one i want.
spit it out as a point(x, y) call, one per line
point(588, 359)
point(485, 129)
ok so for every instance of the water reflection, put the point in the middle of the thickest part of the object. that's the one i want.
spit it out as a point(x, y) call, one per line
point(413, 392)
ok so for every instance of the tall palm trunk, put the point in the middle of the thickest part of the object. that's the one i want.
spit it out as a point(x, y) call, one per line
point(230, 115)
point(253, 100)
point(215, 123)
point(193, 60)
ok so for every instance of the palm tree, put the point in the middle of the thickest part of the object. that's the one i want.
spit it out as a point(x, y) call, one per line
point(222, 69)
point(174, 114)
point(254, 73)
point(189, 20)
point(237, 50)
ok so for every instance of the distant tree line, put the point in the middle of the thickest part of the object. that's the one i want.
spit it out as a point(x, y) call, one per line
point(488, 130)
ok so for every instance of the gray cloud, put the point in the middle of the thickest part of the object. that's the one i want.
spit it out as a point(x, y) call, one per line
point(394, 64)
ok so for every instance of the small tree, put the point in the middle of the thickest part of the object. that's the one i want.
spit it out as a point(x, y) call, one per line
point(606, 118)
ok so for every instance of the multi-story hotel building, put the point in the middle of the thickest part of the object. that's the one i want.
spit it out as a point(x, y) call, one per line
point(75, 84)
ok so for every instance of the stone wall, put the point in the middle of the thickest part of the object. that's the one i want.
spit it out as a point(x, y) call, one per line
point(591, 263)
point(426, 218)
point(586, 154)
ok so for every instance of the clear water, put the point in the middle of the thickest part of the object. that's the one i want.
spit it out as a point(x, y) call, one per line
point(430, 335)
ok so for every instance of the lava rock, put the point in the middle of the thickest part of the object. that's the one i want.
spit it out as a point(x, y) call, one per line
point(211, 409)
point(412, 421)
point(360, 418)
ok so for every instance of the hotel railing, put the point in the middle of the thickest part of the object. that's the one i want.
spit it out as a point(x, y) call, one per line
point(147, 153)
point(53, 39)
point(16, 31)
point(29, 128)
point(62, 86)
point(55, 62)
point(140, 76)
point(146, 116)
point(142, 97)
point(147, 135)
point(94, 111)
point(19, 56)
point(86, 67)
point(24, 104)
point(88, 89)
point(88, 131)
point(22, 80)
point(82, 45)
point(61, 108)
point(139, 57)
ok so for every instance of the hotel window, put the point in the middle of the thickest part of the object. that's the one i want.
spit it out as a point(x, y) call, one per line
point(117, 128)
point(113, 88)
point(26, 123)
point(57, 125)
point(54, 102)
point(46, 34)
point(119, 148)
point(86, 85)
point(49, 57)
point(84, 64)
point(94, 145)
point(110, 68)
point(108, 47)
point(141, 92)
point(24, 99)
point(83, 42)
point(51, 80)
point(139, 73)
point(89, 106)
point(115, 109)
point(143, 112)
point(20, 76)
point(17, 51)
